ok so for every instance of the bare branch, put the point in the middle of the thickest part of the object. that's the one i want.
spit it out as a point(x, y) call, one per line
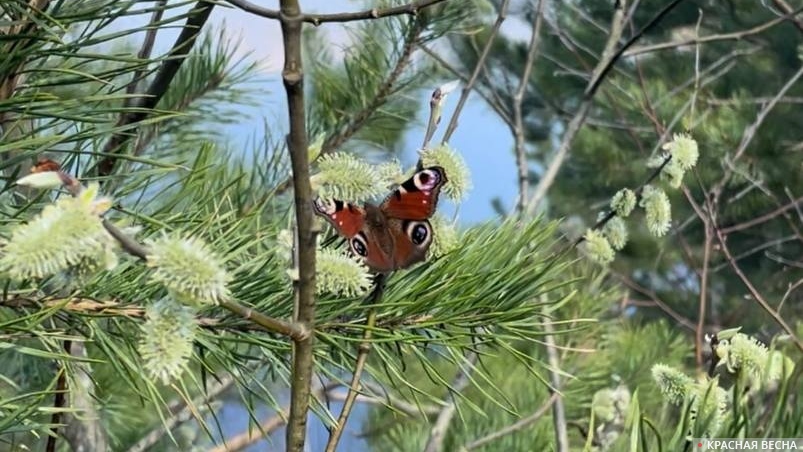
point(558, 410)
point(146, 49)
point(411, 8)
point(763, 218)
point(182, 413)
point(655, 300)
point(168, 70)
point(477, 69)
point(750, 132)
point(603, 67)
point(359, 366)
point(518, 99)
point(516, 426)
point(393, 403)
point(438, 432)
point(736, 35)
point(754, 292)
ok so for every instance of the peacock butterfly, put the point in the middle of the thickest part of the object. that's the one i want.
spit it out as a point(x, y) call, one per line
point(395, 234)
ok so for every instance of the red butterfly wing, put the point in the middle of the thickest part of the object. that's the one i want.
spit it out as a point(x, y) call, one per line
point(417, 197)
point(346, 218)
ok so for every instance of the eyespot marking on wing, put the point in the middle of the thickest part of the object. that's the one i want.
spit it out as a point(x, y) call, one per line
point(328, 207)
point(427, 179)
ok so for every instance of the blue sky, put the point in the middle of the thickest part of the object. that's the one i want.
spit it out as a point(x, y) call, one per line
point(482, 138)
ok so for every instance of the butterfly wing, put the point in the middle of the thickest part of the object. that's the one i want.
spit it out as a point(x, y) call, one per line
point(417, 197)
point(346, 218)
point(411, 240)
point(364, 228)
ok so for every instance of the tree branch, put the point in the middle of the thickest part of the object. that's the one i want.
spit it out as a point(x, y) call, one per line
point(599, 73)
point(146, 49)
point(411, 8)
point(437, 434)
point(754, 293)
point(144, 105)
point(736, 35)
point(296, 331)
point(477, 69)
point(359, 366)
point(518, 99)
point(304, 286)
point(181, 413)
point(513, 428)
point(558, 409)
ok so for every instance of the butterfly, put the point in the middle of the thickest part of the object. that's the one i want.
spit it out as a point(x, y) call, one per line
point(395, 234)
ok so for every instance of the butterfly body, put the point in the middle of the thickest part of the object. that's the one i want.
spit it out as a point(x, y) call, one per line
point(395, 234)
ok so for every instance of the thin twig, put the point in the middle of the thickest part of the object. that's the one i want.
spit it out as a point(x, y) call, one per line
point(638, 192)
point(266, 427)
point(599, 72)
point(598, 75)
point(146, 49)
point(655, 300)
point(158, 87)
point(181, 413)
point(304, 286)
point(736, 35)
point(763, 218)
point(477, 69)
point(497, 107)
point(755, 293)
point(387, 400)
point(359, 366)
point(437, 433)
point(750, 132)
point(518, 100)
point(411, 8)
point(698, 333)
point(513, 428)
point(558, 410)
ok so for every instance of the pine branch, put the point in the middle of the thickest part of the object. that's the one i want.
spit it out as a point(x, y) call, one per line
point(411, 8)
point(143, 107)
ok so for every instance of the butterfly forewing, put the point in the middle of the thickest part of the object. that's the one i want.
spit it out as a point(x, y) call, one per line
point(417, 197)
